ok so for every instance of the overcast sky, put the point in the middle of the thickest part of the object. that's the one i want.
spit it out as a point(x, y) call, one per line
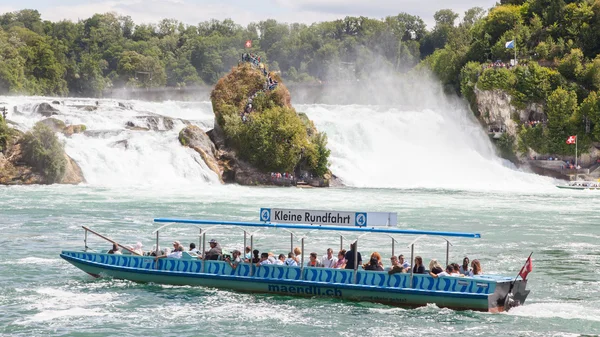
point(242, 12)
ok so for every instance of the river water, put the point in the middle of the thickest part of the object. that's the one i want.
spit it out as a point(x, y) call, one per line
point(433, 166)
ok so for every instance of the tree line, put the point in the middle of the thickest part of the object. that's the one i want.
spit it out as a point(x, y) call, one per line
point(86, 57)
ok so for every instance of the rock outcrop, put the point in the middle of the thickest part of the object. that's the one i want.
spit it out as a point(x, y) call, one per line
point(57, 125)
point(46, 110)
point(497, 110)
point(193, 137)
point(15, 171)
point(153, 122)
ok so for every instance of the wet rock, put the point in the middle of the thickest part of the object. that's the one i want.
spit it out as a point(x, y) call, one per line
point(54, 124)
point(73, 174)
point(124, 143)
point(73, 129)
point(46, 110)
point(56, 102)
point(193, 137)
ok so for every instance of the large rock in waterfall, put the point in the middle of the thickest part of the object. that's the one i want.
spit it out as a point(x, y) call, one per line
point(257, 131)
point(193, 137)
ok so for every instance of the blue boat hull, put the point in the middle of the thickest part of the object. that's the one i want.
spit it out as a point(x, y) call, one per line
point(483, 294)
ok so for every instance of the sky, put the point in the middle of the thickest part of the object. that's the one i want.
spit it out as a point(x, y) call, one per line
point(242, 12)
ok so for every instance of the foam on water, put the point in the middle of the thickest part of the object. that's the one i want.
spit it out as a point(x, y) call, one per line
point(557, 310)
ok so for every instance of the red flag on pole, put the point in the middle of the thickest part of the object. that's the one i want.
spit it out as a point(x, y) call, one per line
point(572, 140)
point(527, 268)
point(248, 44)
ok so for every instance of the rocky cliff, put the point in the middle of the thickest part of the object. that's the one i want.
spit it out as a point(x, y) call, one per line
point(257, 132)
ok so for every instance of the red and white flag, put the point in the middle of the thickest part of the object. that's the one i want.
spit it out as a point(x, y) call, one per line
point(248, 44)
point(572, 140)
point(527, 268)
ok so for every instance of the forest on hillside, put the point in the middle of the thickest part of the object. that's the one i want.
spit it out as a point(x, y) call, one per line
point(108, 50)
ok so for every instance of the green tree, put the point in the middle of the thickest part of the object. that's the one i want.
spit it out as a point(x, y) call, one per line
point(560, 108)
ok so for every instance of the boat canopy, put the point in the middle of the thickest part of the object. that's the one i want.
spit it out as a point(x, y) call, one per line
point(315, 227)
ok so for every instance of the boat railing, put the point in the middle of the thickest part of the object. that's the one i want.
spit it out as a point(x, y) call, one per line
point(412, 253)
point(86, 229)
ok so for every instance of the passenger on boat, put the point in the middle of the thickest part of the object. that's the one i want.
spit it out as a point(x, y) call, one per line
point(434, 267)
point(248, 254)
point(115, 250)
point(177, 252)
point(403, 262)
point(272, 258)
point(341, 261)
point(193, 248)
point(465, 269)
point(448, 272)
point(396, 266)
point(291, 260)
point(419, 268)
point(264, 259)
point(373, 264)
point(456, 269)
point(215, 250)
point(328, 261)
point(236, 259)
point(350, 257)
point(297, 255)
point(280, 260)
point(176, 245)
point(476, 268)
point(314, 261)
point(138, 248)
point(256, 259)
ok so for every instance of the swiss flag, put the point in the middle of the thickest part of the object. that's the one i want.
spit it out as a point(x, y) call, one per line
point(248, 44)
point(527, 268)
point(572, 140)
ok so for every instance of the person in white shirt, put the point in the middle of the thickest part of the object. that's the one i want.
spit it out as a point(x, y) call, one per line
point(177, 252)
point(115, 250)
point(138, 248)
point(291, 260)
point(403, 262)
point(448, 272)
point(465, 269)
point(280, 260)
point(328, 261)
point(264, 259)
point(193, 248)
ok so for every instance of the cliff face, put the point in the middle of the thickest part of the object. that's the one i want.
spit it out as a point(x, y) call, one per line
point(497, 111)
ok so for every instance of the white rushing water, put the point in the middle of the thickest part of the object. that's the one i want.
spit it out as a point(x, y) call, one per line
point(436, 145)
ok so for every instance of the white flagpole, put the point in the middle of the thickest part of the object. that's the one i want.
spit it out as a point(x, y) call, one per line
point(575, 157)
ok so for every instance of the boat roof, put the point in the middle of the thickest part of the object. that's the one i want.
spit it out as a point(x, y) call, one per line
point(384, 230)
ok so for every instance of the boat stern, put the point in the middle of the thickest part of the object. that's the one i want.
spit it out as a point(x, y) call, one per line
point(508, 295)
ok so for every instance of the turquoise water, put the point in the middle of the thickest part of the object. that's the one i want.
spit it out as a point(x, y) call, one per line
point(40, 294)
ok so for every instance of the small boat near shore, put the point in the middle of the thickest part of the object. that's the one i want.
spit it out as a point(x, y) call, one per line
point(493, 293)
point(581, 185)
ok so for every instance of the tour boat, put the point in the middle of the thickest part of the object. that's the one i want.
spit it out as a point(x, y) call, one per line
point(581, 185)
point(493, 293)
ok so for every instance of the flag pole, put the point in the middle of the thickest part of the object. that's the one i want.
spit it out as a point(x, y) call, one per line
point(520, 271)
point(576, 157)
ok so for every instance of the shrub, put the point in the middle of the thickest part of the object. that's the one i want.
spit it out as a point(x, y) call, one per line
point(468, 79)
point(4, 134)
point(43, 151)
point(500, 78)
point(273, 139)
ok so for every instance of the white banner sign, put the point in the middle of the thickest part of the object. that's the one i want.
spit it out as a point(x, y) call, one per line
point(337, 218)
